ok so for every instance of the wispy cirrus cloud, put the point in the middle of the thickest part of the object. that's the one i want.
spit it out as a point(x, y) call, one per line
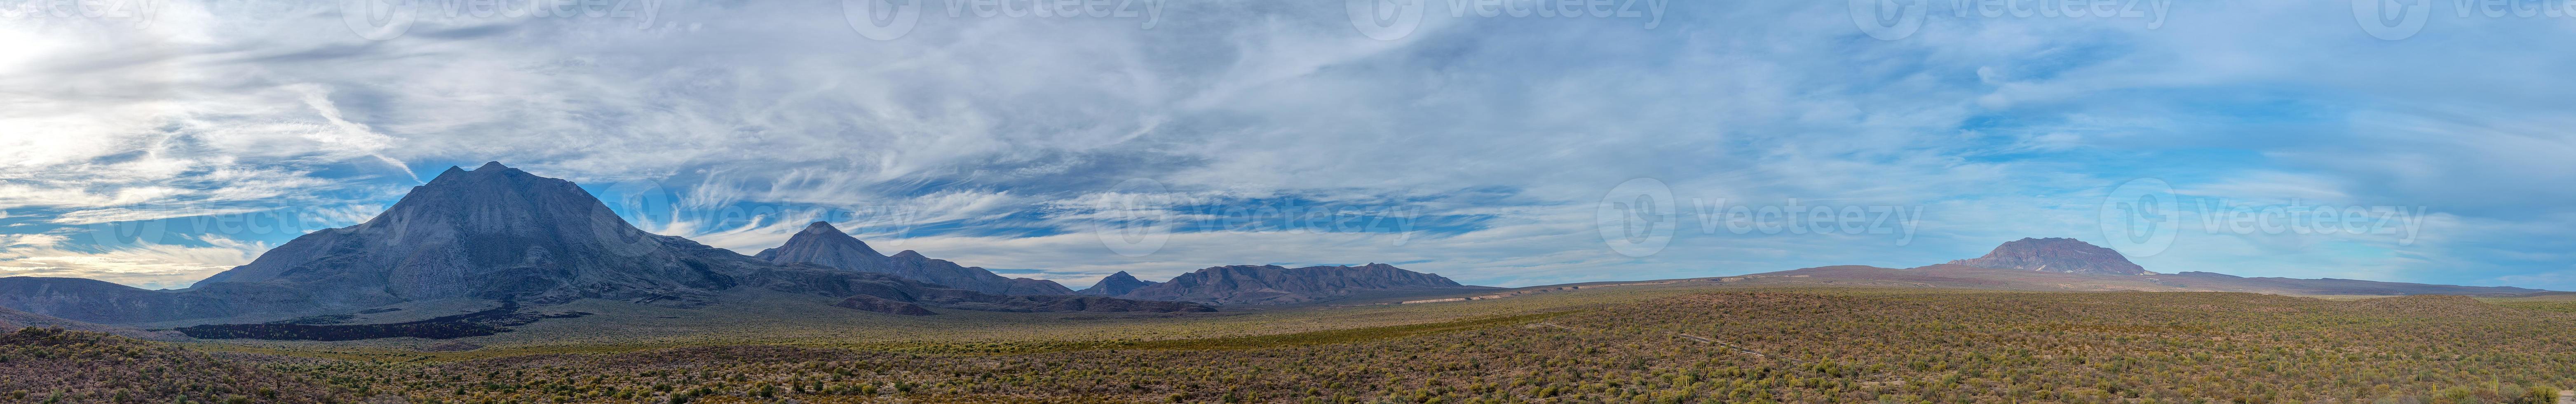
point(998, 141)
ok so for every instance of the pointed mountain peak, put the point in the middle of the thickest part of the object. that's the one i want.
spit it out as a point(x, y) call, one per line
point(490, 234)
point(487, 170)
point(502, 200)
point(822, 244)
point(821, 227)
point(1121, 276)
point(1117, 284)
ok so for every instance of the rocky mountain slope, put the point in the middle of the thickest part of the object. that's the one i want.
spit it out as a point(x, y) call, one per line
point(1117, 284)
point(1272, 284)
point(2062, 255)
point(494, 233)
point(491, 234)
point(823, 245)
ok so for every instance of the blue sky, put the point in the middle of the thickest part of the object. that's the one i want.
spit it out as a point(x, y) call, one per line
point(158, 142)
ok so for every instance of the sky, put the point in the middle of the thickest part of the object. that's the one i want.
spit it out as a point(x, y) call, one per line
point(1497, 142)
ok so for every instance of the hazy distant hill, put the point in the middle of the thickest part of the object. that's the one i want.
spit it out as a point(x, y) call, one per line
point(821, 244)
point(1272, 284)
point(2068, 264)
point(12, 320)
point(101, 301)
point(1117, 284)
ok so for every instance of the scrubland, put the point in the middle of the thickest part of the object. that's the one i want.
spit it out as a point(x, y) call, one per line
point(1819, 345)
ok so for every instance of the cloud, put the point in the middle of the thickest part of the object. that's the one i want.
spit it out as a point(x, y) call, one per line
point(999, 141)
point(144, 264)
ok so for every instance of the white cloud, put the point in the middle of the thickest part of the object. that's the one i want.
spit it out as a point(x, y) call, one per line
point(143, 264)
point(1998, 127)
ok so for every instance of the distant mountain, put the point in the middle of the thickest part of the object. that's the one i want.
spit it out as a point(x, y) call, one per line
point(2067, 264)
point(13, 320)
point(1117, 284)
point(823, 245)
point(1272, 284)
point(2062, 255)
point(102, 302)
point(494, 234)
point(1948, 276)
point(2332, 286)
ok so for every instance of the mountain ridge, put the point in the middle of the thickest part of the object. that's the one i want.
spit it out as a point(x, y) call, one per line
point(494, 234)
point(822, 244)
point(1117, 284)
point(1273, 284)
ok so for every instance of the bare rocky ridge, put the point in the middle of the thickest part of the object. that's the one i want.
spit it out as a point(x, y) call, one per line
point(1117, 284)
point(491, 234)
point(2062, 255)
point(823, 245)
point(1272, 284)
point(494, 233)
